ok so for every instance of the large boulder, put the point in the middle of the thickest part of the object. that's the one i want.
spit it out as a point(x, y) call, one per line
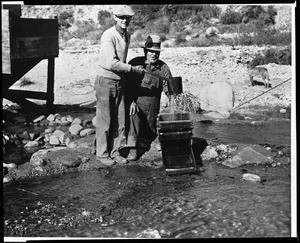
point(249, 154)
point(217, 97)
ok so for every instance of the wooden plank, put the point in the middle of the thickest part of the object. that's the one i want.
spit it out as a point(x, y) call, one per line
point(26, 27)
point(6, 65)
point(31, 47)
point(26, 104)
point(50, 83)
point(16, 8)
point(28, 94)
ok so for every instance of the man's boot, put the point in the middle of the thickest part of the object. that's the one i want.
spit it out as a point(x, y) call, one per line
point(132, 156)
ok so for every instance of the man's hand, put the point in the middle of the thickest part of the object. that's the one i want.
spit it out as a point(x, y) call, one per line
point(137, 69)
point(133, 108)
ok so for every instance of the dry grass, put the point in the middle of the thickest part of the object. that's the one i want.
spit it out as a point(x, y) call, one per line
point(188, 102)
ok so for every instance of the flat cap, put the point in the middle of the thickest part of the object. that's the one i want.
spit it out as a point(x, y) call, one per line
point(123, 10)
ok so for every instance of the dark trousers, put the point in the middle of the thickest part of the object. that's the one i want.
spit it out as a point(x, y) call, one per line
point(142, 129)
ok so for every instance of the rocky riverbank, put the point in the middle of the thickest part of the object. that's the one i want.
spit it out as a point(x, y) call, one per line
point(199, 67)
point(59, 144)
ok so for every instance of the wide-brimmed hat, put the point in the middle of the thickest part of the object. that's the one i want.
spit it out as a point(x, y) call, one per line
point(153, 43)
point(123, 10)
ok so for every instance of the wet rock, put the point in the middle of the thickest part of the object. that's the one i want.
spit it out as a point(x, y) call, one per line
point(24, 135)
point(86, 123)
point(31, 144)
point(51, 123)
point(77, 121)
point(57, 116)
point(80, 144)
point(75, 129)
point(44, 122)
point(94, 121)
point(58, 133)
point(64, 121)
point(38, 158)
point(70, 144)
point(63, 137)
point(222, 147)
point(69, 118)
point(25, 141)
point(234, 162)
point(251, 177)
point(49, 129)
point(63, 128)
point(54, 140)
point(51, 118)
point(32, 135)
point(71, 162)
point(47, 137)
point(86, 132)
point(209, 153)
point(249, 155)
point(57, 121)
point(39, 119)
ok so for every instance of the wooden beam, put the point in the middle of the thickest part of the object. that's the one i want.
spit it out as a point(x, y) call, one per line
point(26, 104)
point(50, 83)
point(16, 8)
point(31, 47)
point(28, 94)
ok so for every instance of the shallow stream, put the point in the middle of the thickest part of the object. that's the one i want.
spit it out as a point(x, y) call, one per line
point(139, 201)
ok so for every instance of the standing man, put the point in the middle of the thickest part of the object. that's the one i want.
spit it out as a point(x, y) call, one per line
point(142, 97)
point(110, 112)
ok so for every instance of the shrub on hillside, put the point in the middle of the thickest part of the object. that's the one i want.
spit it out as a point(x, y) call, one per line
point(103, 16)
point(281, 57)
point(231, 17)
point(105, 19)
point(257, 12)
point(65, 18)
point(188, 13)
point(159, 26)
point(83, 28)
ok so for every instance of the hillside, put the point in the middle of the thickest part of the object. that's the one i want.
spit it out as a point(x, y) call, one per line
point(90, 12)
point(76, 67)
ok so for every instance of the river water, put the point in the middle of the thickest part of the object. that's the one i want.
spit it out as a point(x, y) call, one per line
point(142, 202)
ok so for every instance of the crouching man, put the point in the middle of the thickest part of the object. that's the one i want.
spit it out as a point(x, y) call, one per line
point(142, 97)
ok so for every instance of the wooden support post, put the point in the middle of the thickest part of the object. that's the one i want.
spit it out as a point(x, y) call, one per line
point(50, 84)
point(19, 98)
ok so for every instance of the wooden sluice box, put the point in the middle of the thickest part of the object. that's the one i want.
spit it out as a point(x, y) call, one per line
point(176, 138)
point(26, 42)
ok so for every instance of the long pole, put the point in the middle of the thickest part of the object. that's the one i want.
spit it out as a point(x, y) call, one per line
point(260, 94)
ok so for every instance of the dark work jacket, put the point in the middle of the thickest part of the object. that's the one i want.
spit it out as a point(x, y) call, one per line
point(146, 85)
